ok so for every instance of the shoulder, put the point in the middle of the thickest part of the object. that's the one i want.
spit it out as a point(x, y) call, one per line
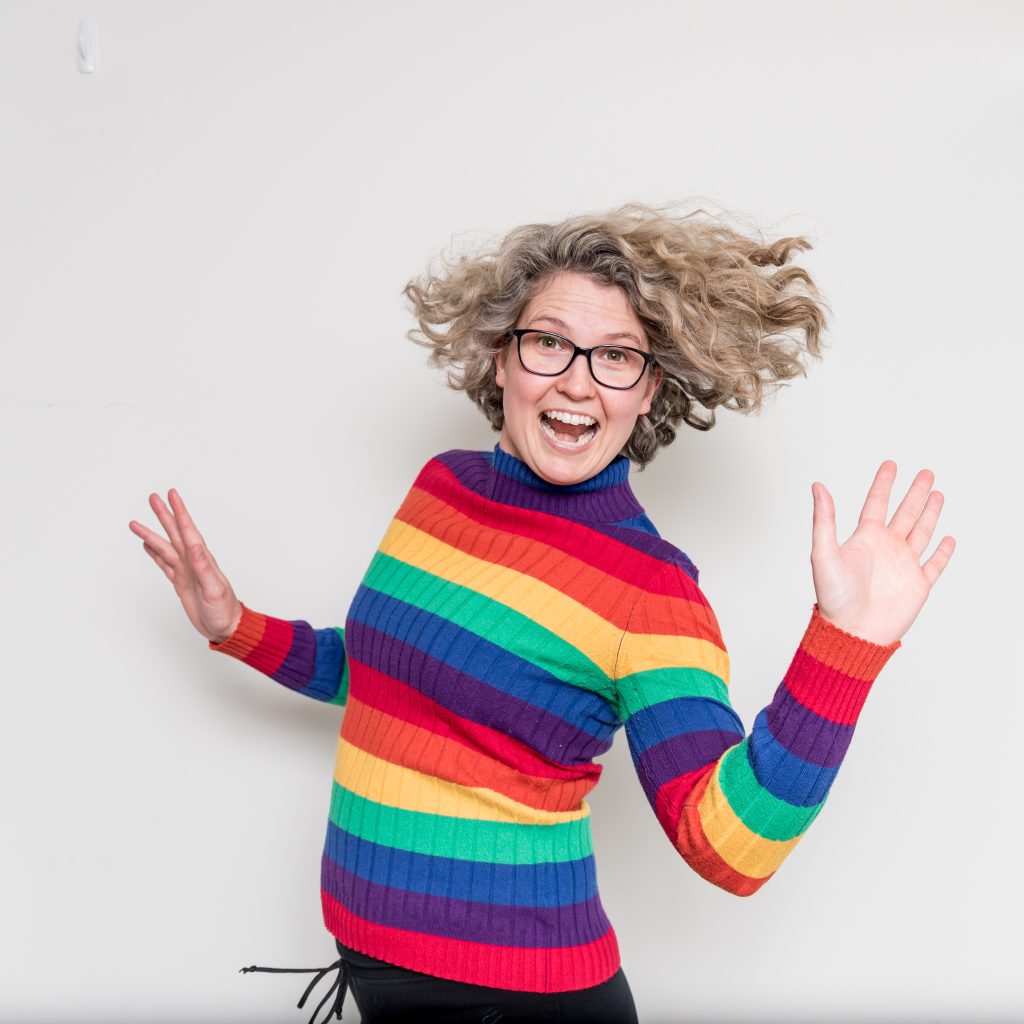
point(457, 459)
point(459, 462)
point(640, 533)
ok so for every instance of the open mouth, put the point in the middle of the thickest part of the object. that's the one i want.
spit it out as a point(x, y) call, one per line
point(569, 430)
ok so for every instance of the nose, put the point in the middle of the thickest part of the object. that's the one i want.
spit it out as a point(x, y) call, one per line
point(577, 382)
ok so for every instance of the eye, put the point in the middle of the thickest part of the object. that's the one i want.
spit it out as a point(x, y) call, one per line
point(615, 355)
point(549, 342)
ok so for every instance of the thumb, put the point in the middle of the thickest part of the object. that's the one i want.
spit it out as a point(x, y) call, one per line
point(823, 531)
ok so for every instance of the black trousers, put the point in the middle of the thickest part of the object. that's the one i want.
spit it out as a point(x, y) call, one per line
point(386, 994)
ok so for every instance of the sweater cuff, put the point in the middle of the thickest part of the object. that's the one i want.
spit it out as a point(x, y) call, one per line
point(246, 637)
point(847, 653)
point(832, 671)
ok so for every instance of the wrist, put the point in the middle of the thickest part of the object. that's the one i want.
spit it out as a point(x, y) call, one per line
point(232, 629)
point(865, 631)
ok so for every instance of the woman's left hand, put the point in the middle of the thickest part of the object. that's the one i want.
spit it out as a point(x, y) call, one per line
point(874, 585)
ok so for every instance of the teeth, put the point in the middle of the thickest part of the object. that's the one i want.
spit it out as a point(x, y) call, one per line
point(570, 417)
point(583, 438)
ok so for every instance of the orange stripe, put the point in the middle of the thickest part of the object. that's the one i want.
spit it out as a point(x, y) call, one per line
point(386, 693)
point(409, 744)
point(422, 750)
point(611, 598)
point(247, 636)
point(621, 561)
point(677, 617)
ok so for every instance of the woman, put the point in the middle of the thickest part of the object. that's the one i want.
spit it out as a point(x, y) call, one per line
point(521, 608)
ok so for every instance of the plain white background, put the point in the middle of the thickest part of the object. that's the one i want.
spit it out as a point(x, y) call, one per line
point(202, 249)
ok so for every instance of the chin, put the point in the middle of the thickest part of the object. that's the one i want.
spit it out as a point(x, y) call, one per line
point(571, 468)
point(558, 464)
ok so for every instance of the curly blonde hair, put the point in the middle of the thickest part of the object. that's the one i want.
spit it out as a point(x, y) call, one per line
point(721, 329)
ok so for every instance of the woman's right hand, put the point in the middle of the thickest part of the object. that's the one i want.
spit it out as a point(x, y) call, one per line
point(206, 595)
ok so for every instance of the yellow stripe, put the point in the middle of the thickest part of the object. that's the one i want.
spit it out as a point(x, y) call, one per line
point(643, 651)
point(395, 786)
point(588, 632)
point(743, 850)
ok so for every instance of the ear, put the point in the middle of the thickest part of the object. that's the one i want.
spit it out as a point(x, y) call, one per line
point(499, 365)
point(649, 392)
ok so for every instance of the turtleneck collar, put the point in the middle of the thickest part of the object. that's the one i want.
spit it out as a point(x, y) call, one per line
point(499, 476)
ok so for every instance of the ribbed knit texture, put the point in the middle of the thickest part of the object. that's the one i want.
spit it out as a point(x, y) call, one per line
point(505, 630)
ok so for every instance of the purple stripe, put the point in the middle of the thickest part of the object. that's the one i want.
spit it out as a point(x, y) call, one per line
point(679, 756)
point(550, 735)
point(298, 666)
point(604, 505)
point(598, 510)
point(810, 737)
point(498, 924)
point(656, 547)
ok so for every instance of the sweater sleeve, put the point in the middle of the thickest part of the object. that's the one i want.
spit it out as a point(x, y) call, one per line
point(310, 661)
point(734, 805)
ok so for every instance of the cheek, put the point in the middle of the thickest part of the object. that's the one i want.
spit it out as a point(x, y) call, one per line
point(625, 415)
point(521, 393)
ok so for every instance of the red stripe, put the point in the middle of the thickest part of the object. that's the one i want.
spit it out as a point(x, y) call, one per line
point(613, 600)
point(828, 692)
point(377, 690)
point(423, 750)
point(668, 805)
point(524, 969)
point(606, 554)
point(697, 851)
point(269, 655)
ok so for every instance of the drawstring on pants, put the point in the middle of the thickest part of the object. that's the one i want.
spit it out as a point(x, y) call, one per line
point(340, 983)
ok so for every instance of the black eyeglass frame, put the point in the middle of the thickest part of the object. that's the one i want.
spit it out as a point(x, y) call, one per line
point(577, 351)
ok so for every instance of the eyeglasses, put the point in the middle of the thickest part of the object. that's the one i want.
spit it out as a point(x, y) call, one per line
point(612, 366)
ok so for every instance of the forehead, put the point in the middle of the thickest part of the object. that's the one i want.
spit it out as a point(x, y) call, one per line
point(575, 303)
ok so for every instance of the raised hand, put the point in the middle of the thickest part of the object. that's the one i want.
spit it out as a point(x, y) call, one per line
point(874, 585)
point(206, 595)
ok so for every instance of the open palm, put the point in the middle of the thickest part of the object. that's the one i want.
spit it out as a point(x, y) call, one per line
point(205, 593)
point(874, 585)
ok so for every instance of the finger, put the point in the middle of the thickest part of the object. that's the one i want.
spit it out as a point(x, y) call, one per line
point(905, 516)
point(190, 534)
point(823, 531)
point(921, 534)
point(876, 505)
point(932, 569)
point(167, 521)
point(155, 541)
point(167, 570)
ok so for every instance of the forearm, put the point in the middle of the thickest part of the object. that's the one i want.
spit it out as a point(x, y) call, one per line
point(742, 814)
point(307, 660)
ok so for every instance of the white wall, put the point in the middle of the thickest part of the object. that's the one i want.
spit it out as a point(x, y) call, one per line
point(192, 241)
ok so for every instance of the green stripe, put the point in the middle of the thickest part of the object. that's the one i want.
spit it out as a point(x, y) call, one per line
point(761, 811)
point(342, 694)
point(496, 622)
point(440, 835)
point(642, 689)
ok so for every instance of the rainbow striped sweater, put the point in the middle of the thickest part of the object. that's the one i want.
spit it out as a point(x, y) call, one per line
point(505, 630)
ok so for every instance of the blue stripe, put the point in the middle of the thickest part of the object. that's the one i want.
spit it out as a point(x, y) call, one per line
point(547, 884)
point(457, 647)
point(330, 664)
point(782, 773)
point(640, 522)
point(675, 717)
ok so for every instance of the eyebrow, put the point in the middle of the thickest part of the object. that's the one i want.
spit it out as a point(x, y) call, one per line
point(608, 337)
